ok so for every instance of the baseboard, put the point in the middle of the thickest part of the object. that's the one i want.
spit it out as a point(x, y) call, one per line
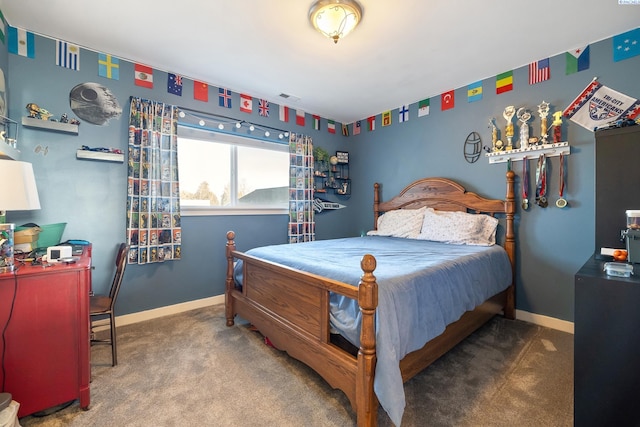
point(546, 321)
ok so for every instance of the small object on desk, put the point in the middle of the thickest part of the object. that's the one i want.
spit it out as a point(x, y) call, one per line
point(618, 269)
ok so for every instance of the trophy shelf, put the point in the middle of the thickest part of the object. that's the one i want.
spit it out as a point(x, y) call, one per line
point(550, 150)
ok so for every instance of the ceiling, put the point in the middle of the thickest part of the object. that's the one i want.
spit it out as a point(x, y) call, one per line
point(398, 55)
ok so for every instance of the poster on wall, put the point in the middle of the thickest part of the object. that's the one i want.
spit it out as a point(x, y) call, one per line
point(94, 103)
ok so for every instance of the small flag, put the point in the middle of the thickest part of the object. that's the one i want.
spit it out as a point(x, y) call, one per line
point(626, 45)
point(246, 103)
point(224, 97)
point(539, 71)
point(331, 126)
point(403, 113)
point(504, 82)
point(174, 84)
point(68, 55)
point(316, 122)
point(474, 92)
point(345, 129)
point(200, 91)
point(423, 108)
point(386, 118)
point(3, 23)
point(356, 128)
point(448, 100)
point(21, 42)
point(284, 113)
point(577, 59)
point(144, 76)
point(263, 108)
point(300, 117)
point(108, 66)
point(371, 123)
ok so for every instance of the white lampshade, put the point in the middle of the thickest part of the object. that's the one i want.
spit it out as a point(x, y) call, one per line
point(19, 191)
point(335, 18)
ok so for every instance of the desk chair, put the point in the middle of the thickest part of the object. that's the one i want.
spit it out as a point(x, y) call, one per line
point(101, 305)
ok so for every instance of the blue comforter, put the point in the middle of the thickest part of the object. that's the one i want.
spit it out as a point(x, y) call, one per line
point(422, 287)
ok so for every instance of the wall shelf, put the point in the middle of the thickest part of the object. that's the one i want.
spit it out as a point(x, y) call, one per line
point(99, 155)
point(8, 139)
point(550, 150)
point(49, 125)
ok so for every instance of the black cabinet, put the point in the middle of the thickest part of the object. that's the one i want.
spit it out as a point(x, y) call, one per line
point(606, 348)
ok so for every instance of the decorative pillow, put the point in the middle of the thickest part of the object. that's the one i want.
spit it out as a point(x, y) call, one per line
point(400, 223)
point(459, 228)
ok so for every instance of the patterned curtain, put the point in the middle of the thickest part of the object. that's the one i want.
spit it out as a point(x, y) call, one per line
point(301, 219)
point(153, 193)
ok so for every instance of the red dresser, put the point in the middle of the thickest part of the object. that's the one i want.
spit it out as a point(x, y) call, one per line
point(44, 313)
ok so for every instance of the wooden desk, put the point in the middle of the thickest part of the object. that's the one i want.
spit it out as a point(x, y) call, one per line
point(46, 354)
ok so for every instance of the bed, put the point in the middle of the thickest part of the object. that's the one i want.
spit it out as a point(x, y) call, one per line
point(294, 304)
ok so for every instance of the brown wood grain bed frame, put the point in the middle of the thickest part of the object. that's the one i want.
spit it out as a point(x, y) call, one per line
point(291, 307)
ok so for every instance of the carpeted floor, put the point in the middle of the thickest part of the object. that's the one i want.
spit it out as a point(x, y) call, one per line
point(190, 369)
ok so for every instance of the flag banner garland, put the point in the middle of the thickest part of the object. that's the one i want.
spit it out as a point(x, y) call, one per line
point(174, 84)
point(331, 126)
point(474, 92)
point(21, 42)
point(577, 60)
point(246, 103)
point(504, 82)
point(423, 108)
point(263, 108)
point(598, 105)
point(68, 55)
point(300, 117)
point(371, 123)
point(200, 91)
point(356, 128)
point(284, 113)
point(316, 122)
point(539, 71)
point(224, 98)
point(448, 100)
point(626, 45)
point(108, 66)
point(143, 76)
point(403, 113)
point(386, 118)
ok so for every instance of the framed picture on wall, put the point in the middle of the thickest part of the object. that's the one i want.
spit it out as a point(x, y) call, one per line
point(343, 156)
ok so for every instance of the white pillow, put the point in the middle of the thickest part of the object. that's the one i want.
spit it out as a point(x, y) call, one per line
point(400, 223)
point(458, 228)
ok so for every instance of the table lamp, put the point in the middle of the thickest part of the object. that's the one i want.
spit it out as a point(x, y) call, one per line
point(18, 194)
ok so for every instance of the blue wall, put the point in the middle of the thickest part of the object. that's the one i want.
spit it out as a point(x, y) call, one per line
point(90, 195)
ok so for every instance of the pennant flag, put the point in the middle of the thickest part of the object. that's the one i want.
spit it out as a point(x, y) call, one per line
point(331, 126)
point(403, 113)
point(68, 55)
point(423, 108)
point(448, 100)
point(316, 122)
point(626, 45)
point(504, 82)
point(174, 84)
point(263, 108)
point(539, 71)
point(224, 98)
point(356, 128)
point(386, 118)
point(3, 22)
point(371, 123)
point(200, 91)
point(474, 92)
point(300, 117)
point(598, 106)
point(345, 129)
point(246, 103)
point(21, 42)
point(577, 59)
point(284, 113)
point(108, 66)
point(144, 76)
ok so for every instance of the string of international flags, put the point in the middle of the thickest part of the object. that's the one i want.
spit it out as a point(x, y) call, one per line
point(21, 42)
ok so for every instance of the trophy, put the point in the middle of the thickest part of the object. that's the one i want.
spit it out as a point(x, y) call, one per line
point(543, 110)
point(508, 114)
point(495, 144)
point(557, 123)
point(524, 116)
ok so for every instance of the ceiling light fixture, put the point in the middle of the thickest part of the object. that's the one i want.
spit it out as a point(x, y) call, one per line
point(335, 18)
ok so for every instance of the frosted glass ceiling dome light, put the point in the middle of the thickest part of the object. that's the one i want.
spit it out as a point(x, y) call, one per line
point(335, 18)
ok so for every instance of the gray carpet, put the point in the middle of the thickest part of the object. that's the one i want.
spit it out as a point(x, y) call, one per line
point(190, 369)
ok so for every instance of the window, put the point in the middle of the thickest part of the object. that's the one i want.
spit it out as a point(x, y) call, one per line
point(226, 173)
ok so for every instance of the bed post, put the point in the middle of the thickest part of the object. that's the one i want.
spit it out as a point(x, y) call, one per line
point(376, 205)
point(366, 400)
point(510, 244)
point(228, 300)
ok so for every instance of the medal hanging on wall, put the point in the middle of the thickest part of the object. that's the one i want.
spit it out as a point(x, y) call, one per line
point(541, 182)
point(561, 202)
point(525, 183)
